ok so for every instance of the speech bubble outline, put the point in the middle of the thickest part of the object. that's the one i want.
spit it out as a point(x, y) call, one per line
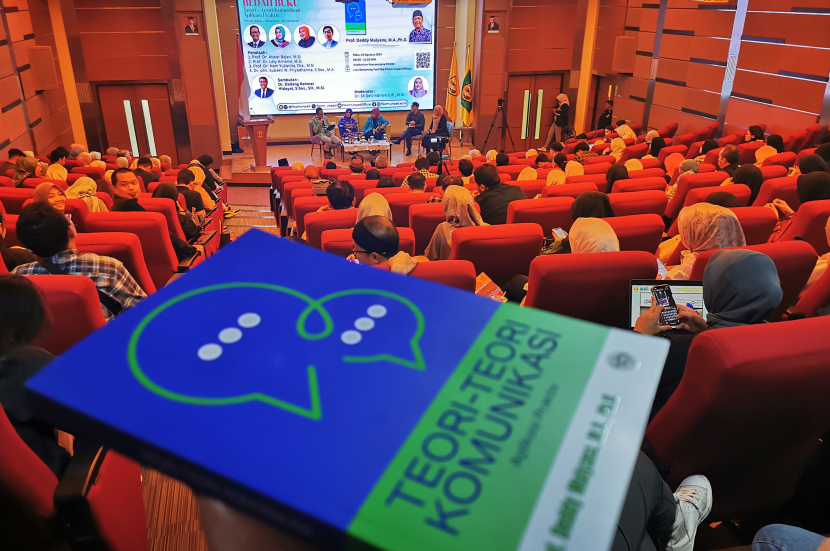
point(315, 411)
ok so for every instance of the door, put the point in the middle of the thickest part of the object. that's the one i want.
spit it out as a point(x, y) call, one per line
point(530, 108)
point(137, 119)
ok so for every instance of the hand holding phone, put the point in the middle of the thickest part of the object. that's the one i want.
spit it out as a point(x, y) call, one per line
point(559, 234)
point(663, 297)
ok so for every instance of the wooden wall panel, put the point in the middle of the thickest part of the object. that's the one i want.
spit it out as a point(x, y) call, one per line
point(786, 92)
point(705, 77)
point(779, 121)
point(687, 122)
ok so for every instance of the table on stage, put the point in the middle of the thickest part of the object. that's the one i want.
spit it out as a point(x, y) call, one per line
point(364, 146)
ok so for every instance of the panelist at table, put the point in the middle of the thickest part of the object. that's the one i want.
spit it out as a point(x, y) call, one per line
point(438, 127)
point(320, 125)
point(414, 127)
point(347, 125)
point(375, 126)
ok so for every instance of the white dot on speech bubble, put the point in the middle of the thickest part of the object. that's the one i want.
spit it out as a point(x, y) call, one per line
point(364, 324)
point(209, 352)
point(230, 335)
point(376, 311)
point(351, 337)
point(249, 320)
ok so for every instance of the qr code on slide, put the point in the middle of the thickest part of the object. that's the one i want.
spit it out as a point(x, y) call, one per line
point(423, 60)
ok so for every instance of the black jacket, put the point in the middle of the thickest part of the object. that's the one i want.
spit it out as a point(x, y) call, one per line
point(148, 177)
point(442, 127)
point(494, 201)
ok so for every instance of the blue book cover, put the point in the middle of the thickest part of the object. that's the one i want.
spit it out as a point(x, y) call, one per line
point(352, 406)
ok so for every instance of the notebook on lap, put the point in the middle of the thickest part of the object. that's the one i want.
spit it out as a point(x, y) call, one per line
point(348, 405)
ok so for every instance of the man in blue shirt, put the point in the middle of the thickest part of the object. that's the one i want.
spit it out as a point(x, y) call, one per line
point(414, 127)
point(330, 41)
point(420, 34)
point(264, 91)
point(255, 41)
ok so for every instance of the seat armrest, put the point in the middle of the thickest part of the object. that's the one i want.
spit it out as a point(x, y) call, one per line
point(793, 313)
point(186, 263)
point(73, 520)
point(203, 239)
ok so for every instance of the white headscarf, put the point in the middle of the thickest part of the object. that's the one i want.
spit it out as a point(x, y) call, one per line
point(459, 210)
point(555, 177)
point(651, 135)
point(592, 235)
point(491, 155)
point(56, 172)
point(703, 227)
point(85, 188)
point(563, 99)
point(474, 153)
point(527, 173)
point(531, 154)
point(573, 168)
point(373, 204)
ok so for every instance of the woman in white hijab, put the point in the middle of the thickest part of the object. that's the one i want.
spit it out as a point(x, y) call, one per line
point(528, 173)
point(555, 177)
point(592, 235)
point(617, 148)
point(531, 154)
point(56, 172)
point(560, 120)
point(85, 188)
point(460, 212)
point(122, 162)
point(474, 153)
point(373, 204)
point(491, 155)
point(574, 168)
point(703, 227)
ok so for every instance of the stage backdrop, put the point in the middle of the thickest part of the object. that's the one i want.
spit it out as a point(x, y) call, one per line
point(304, 54)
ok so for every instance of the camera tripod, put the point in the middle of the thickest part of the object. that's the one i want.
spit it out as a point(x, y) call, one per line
point(501, 115)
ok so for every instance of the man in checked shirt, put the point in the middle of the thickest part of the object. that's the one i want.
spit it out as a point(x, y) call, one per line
point(48, 234)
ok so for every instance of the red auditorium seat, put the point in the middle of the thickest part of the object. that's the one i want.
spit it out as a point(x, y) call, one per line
point(779, 188)
point(568, 190)
point(689, 182)
point(647, 172)
point(306, 205)
point(590, 286)
point(639, 184)
point(340, 242)
point(353, 177)
point(317, 222)
point(713, 129)
point(669, 131)
point(694, 149)
point(288, 190)
point(607, 159)
point(794, 261)
point(501, 252)
point(638, 232)
point(810, 224)
point(637, 151)
point(361, 187)
point(804, 153)
point(651, 164)
point(532, 188)
point(685, 139)
point(73, 305)
point(816, 297)
point(14, 198)
point(699, 195)
point(125, 247)
point(512, 170)
point(666, 151)
point(600, 148)
point(712, 157)
point(399, 177)
point(598, 168)
point(812, 134)
point(386, 191)
point(774, 171)
point(748, 152)
point(758, 223)
point(597, 179)
point(423, 219)
point(92, 172)
point(333, 173)
point(639, 202)
point(750, 413)
point(151, 229)
point(796, 141)
point(5, 181)
point(460, 274)
point(34, 182)
point(730, 140)
point(549, 213)
point(399, 204)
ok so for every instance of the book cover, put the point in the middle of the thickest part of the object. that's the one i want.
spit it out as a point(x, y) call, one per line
point(356, 408)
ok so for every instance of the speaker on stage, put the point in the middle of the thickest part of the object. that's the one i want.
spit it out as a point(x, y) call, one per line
point(43, 67)
point(625, 50)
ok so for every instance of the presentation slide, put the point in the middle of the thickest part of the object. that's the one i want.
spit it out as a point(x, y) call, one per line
point(362, 54)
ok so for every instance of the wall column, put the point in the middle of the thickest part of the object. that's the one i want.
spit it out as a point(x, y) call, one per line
point(588, 45)
point(219, 97)
point(73, 104)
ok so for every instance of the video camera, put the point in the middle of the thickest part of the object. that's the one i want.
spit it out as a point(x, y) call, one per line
point(439, 143)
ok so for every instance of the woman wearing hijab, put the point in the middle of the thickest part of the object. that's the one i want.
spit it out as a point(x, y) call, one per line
point(573, 168)
point(809, 187)
point(310, 172)
point(749, 175)
point(633, 164)
point(56, 172)
point(527, 173)
point(373, 204)
point(27, 167)
point(763, 153)
point(200, 179)
point(297, 166)
point(99, 165)
point(705, 148)
point(740, 287)
point(616, 149)
point(723, 199)
point(460, 212)
point(438, 127)
point(85, 158)
point(166, 160)
point(811, 163)
point(677, 166)
point(122, 162)
point(418, 88)
point(348, 125)
point(474, 153)
point(306, 39)
point(555, 177)
point(592, 235)
point(85, 188)
point(491, 155)
point(592, 204)
point(531, 153)
point(615, 173)
point(48, 192)
point(651, 135)
point(167, 190)
point(561, 107)
point(754, 134)
point(704, 227)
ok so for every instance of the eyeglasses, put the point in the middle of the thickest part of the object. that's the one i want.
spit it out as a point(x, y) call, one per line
point(355, 251)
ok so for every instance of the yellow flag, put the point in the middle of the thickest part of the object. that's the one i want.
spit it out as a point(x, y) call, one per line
point(467, 91)
point(451, 107)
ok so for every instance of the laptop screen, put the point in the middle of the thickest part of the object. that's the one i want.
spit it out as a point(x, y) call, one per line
point(687, 293)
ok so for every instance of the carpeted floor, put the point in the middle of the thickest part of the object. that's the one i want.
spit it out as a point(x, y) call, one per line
point(172, 514)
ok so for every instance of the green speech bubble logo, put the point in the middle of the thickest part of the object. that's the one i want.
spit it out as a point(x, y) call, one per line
point(314, 412)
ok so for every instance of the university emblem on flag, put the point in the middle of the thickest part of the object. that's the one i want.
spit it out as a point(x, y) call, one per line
point(453, 86)
point(467, 92)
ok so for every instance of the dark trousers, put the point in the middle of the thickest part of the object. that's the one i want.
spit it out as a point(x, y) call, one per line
point(408, 134)
point(378, 134)
point(648, 511)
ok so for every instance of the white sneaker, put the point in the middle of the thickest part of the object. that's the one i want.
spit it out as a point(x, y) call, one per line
point(694, 503)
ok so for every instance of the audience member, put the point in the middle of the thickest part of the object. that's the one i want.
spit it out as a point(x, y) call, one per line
point(465, 167)
point(474, 153)
point(592, 235)
point(614, 174)
point(556, 177)
point(728, 160)
point(751, 176)
point(821, 264)
point(386, 181)
point(560, 161)
point(145, 171)
point(616, 149)
point(723, 199)
point(657, 144)
point(199, 180)
point(127, 191)
point(706, 147)
point(86, 189)
point(809, 187)
point(502, 159)
point(26, 167)
point(382, 162)
point(531, 153)
point(763, 153)
point(633, 164)
point(582, 152)
point(56, 170)
point(703, 227)
point(356, 164)
point(557, 147)
point(677, 166)
point(75, 151)
point(190, 225)
point(186, 185)
point(52, 194)
point(12, 256)
point(373, 174)
point(373, 204)
point(85, 158)
point(754, 134)
point(592, 204)
point(416, 183)
point(624, 131)
point(823, 151)
point(651, 135)
point(24, 318)
point(527, 173)
point(460, 212)
point(811, 163)
point(340, 196)
point(542, 160)
point(573, 168)
point(122, 162)
point(11, 163)
point(422, 168)
point(494, 196)
point(376, 243)
point(777, 142)
point(49, 235)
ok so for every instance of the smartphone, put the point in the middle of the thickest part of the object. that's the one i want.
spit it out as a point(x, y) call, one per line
point(559, 233)
point(662, 294)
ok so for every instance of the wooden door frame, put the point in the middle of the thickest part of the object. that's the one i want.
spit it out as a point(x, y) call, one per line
point(99, 113)
point(533, 75)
